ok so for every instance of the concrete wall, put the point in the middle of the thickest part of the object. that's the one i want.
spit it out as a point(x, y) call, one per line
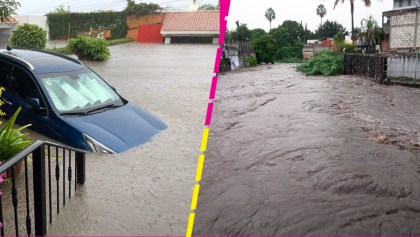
point(401, 4)
point(6, 30)
point(404, 65)
point(403, 30)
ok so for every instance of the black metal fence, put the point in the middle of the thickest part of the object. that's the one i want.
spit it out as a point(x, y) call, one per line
point(48, 161)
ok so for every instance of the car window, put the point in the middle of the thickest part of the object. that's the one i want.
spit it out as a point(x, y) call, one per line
point(78, 90)
point(22, 85)
point(5, 74)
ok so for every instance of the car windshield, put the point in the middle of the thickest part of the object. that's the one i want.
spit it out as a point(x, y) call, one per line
point(78, 91)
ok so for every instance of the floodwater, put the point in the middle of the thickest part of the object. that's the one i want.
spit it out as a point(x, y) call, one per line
point(296, 155)
point(146, 190)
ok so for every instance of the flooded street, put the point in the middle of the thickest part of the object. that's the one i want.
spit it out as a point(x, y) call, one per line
point(296, 155)
point(146, 190)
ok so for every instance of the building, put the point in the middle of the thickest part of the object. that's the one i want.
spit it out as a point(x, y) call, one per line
point(401, 27)
point(6, 29)
point(191, 27)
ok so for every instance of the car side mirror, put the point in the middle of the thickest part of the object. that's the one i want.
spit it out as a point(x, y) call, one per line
point(34, 103)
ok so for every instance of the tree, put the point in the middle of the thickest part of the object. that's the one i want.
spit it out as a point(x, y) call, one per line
point(265, 49)
point(141, 9)
point(270, 15)
point(321, 11)
point(370, 32)
point(60, 10)
point(8, 8)
point(367, 4)
point(208, 7)
point(242, 33)
point(329, 29)
point(257, 33)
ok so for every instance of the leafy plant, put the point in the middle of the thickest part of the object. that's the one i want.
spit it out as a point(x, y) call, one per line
point(89, 48)
point(118, 41)
point(326, 63)
point(12, 140)
point(28, 36)
point(62, 50)
point(251, 61)
point(265, 49)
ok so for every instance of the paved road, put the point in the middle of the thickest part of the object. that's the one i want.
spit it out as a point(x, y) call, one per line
point(296, 155)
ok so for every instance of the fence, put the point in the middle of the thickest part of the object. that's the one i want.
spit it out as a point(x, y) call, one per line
point(371, 65)
point(39, 155)
point(236, 52)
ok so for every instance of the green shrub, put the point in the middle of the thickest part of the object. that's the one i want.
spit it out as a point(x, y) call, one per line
point(290, 52)
point(251, 61)
point(326, 63)
point(89, 48)
point(225, 65)
point(291, 60)
point(265, 48)
point(348, 47)
point(63, 50)
point(118, 41)
point(28, 36)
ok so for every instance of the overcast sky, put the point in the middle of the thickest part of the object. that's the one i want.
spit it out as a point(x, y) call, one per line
point(252, 12)
point(41, 7)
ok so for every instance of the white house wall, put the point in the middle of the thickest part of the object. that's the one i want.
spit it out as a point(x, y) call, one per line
point(40, 21)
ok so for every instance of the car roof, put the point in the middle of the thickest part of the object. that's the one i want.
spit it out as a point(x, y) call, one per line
point(43, 61)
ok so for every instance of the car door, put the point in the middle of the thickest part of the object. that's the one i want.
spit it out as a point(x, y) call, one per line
point(21, 87)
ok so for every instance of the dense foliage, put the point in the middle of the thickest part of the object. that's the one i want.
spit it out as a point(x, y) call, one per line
point(141, 9)
point(329, 29)
point(28, 36)
point(89, 48)
point(208, 7)
point(241, 33)
point(326, 63)
point(8, 9)
point(251, 61)
point(265, 49)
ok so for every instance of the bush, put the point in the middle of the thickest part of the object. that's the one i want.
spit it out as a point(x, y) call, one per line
point(225, 65)
point(118, 41)
point(28, 36)
point(251, 61)
point(326, 63)
point(63, 50)
point(265, 49)
point(348, 47)
point(291, 60)
point(290, 52)
point(89, 48)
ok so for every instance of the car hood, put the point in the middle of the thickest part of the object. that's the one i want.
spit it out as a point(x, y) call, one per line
point(119, 129)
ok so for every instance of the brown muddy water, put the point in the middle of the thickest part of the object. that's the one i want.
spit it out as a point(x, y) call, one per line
point(146, 190)
point(296, 155)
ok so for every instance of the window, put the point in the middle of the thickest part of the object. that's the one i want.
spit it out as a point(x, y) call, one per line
point(5, 73)
point(400, 4)
point(409, 2)
point(22, 85)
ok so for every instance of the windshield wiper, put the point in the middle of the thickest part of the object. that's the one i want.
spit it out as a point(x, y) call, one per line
point(110, 106)
point(73, 113)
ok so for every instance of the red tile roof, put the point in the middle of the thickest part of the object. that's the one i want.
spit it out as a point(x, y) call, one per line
point(192, 21)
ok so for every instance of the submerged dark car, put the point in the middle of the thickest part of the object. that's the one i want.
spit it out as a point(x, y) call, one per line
point(65, 100)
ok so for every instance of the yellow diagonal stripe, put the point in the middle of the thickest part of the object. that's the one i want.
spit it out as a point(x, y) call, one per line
point(195, 197)
point(199, 168)
point(190, 225)
point(204, 140)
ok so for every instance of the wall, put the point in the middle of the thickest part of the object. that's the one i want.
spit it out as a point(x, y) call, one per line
point(405, 3)
point(374, 66)
point(404, 65)
point(150, 33)
point(133, 23)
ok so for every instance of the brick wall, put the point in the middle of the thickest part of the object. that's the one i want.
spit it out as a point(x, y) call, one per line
point(402, 30)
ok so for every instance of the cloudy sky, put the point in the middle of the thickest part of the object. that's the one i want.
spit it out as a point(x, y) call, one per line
point(41, 7)
point(252, 12)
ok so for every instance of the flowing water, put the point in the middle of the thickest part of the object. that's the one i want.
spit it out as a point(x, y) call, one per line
point(146, 190)
point(296, 155)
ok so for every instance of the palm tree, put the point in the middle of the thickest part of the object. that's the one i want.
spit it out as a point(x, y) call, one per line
point(321, 11)
point(270, 15)
point(367, 4)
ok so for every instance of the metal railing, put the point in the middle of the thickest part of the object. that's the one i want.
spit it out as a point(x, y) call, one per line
point(40, 156)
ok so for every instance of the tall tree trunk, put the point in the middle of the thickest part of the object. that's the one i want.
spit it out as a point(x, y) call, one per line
point(352, 20)
point(270, 26)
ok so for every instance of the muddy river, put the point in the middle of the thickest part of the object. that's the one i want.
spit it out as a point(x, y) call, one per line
point(296, 155)
point(146, 190)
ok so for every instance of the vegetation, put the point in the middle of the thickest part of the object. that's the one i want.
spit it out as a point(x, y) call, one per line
point(28, 36)
point(8, 9)
point(321, 11)
point(242, 33)
point(118, 41)
point(370, 33)
point(367, 4)
point(251, 61)
point(329, 29)
point(60, 10)
point(141, 9)
point(326, 63)
point(208, 7)
point(63, 50)
point(265, 49)
point(89, 48)
point(270, 15)
point(12, 140)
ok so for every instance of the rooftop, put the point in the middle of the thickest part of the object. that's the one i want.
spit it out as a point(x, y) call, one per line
point(192, 21)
